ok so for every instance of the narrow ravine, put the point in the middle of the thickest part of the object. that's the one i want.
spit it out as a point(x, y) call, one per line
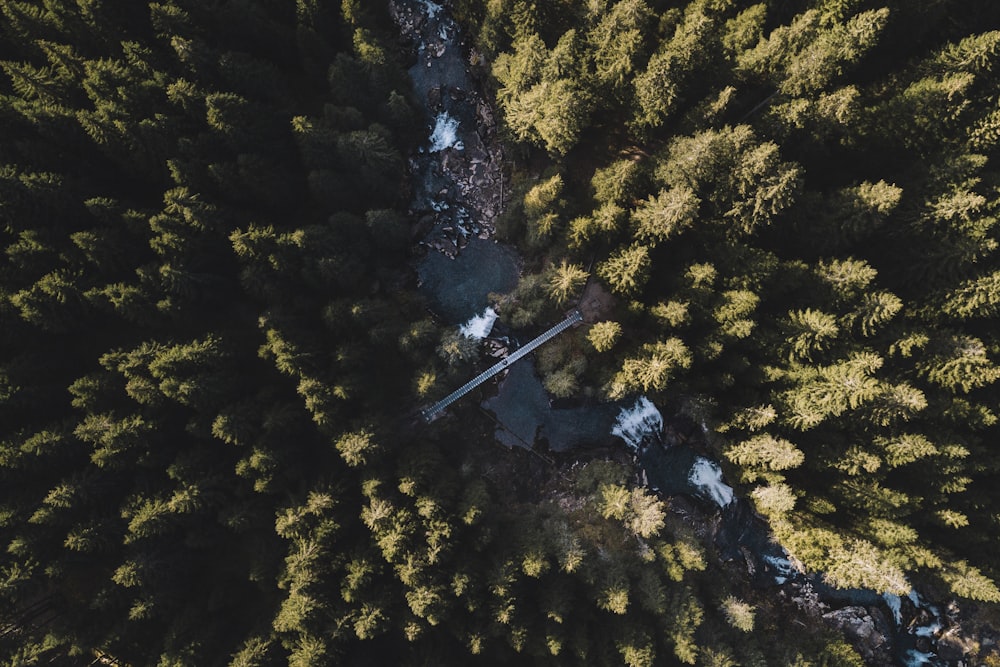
point(458, 188)
point(458, 194)
point(457, 175)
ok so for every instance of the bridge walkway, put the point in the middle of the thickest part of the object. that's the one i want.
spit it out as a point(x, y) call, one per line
point(433, 412)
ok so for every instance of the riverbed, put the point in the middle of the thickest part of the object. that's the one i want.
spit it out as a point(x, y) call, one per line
point(458, 184)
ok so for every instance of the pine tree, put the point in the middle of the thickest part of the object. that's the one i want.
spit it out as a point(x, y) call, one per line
point(765, 452)
point(959, 364)
point(811, 332)
point(659, 89)
point(565, 282)
point(604, 335)
point(617, 183)
point(626, 271)
point(805, 56)
point(616, 42)
point(670, 213)
point(651, 371)
point(739, 614)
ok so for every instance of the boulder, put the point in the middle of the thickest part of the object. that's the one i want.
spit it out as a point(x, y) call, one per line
point(952, 646)
point(866, 629)
point(434, 98)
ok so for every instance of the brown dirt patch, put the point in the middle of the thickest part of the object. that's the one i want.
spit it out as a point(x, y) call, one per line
point(596, 303)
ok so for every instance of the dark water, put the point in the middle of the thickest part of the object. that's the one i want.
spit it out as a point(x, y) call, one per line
point(565, 429)
point(457, 288)
point(456, 174)
point(457, 178)
point(522, 406)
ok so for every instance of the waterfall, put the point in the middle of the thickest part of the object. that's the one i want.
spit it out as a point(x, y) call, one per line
point(445, 134)
point(642, 421)
point(479, 326)
point(707, 476)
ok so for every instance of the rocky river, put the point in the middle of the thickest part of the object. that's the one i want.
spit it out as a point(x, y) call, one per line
point(458, 185)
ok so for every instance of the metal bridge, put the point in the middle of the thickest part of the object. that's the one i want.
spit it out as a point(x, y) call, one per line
point(434, 411)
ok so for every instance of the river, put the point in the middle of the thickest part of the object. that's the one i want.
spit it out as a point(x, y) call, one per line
point(458, 185)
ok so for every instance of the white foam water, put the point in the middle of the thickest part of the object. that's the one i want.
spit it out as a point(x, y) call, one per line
point(933, 627)
point(707, 476)
point(927, 630)
point(915, 658)
point(445, 134)
point(479, 326)
point(432, 8)
point(894, 603)
point(782, 566)
point(641, 421)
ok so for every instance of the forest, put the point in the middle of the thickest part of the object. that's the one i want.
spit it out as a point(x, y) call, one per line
point(212, 343)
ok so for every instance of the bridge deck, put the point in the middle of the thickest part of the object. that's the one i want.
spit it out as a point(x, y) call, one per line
point(431, 413)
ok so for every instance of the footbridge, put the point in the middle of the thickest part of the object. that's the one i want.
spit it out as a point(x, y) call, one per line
point(433, 412)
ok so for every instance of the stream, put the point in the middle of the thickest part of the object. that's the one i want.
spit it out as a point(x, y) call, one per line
point(458, 192)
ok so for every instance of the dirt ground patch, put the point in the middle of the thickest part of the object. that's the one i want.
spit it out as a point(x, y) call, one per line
point(596, 303)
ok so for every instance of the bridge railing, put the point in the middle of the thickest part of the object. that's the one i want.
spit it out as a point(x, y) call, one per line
point(431, 413)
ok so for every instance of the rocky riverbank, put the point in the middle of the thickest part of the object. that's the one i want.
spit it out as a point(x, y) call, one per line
point(460, 171)
point(456, 174)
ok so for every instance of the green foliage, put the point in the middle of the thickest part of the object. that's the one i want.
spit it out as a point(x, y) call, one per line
point(651, 371)
point(208, 341)
point(617, 42)
point(773, 501)
point(604, 335)
point(659, 88)
point(616, 183)
point(670, 213)
point(561, 363)
point(179, 441)
point(542, 104)
point(543, 197)
point(968, 582)
point(806, 56)
point(627, 270)
point(525, 304)
point(738, 613)
point(765, 452)
point(455, 348)
point(565, 282)
point(794, 206)
point(600, 225)
point(356, 448)
point(860, 564)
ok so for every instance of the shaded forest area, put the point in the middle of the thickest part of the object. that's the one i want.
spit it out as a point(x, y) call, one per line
point(209, 336)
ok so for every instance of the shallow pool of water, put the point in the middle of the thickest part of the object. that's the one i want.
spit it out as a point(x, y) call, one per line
point(458, 288)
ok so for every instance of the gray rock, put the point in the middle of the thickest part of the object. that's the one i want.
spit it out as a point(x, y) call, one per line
point(952, 646)
point(866, 629)
point(434, 97)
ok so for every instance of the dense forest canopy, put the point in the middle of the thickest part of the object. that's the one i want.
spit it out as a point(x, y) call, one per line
point(796, 204)
point(210, 338)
